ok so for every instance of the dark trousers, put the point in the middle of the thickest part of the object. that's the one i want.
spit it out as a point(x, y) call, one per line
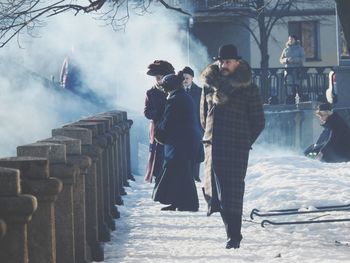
point(233, 225)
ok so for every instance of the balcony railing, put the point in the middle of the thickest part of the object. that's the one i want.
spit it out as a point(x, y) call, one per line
point(203, 5)
point(293, 85)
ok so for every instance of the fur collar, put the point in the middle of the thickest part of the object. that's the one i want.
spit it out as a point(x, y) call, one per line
point(223, 87)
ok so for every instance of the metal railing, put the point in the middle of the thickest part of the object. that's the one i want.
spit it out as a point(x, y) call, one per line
point(201, 5)
point(291, 85)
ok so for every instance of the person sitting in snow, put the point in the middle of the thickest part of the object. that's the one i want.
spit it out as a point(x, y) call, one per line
point(333, 145)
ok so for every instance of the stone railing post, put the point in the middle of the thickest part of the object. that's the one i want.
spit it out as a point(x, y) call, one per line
point(109, 155)
point(126, 128)
point(35, 180)
point(114, 153)
point(94, 247)
point(101, 140)
point(74, 157)
point(122, 170)
point(16, 210)
point(124, 125)
point(99, 143)
point(64, 215)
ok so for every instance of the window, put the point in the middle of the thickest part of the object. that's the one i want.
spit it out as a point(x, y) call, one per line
point(308, 33)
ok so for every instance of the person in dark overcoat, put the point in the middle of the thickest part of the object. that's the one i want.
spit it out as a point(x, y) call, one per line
point(154, 108)
point(195, 92)
point(178, 132)
point(233, 117)
point(333, 144)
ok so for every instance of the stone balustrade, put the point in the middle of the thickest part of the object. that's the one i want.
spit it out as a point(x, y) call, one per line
point(59, 195)
point(16, 210)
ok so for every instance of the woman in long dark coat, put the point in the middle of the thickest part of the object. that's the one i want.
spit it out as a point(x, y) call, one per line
point(182, 145)
point(154, 108)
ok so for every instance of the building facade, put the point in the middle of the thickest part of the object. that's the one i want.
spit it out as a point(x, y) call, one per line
point(214, 22)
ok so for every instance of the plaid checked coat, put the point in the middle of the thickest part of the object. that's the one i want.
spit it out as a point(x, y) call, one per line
point(232, 116)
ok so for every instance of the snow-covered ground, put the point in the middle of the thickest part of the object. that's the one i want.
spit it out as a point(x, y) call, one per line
point(274, 180)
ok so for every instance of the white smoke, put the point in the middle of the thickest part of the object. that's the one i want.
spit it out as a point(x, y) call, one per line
point(114, 64)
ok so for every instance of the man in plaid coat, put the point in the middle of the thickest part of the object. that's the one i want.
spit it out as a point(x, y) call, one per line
point(233, 117)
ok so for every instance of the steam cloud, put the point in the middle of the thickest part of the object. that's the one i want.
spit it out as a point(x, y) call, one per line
point(113, 63)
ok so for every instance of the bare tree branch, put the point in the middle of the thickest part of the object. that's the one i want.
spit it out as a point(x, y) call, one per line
point(18, 15)
point(174, 8)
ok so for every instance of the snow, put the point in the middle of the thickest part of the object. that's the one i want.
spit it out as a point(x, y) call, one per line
point(275, 180)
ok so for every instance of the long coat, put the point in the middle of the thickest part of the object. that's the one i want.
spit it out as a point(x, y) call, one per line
point(196, 92)
point(178, 132)
point(154, 108)
point(232, 116)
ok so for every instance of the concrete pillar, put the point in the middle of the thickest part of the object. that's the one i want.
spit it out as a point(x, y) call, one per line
point(114, 131)
point(121, 154)
point(64, 216)
point(82, 255)
point(110, 163)
point(121, 169)
point(126, 124)
point(105, 220)
point(114, 153)
point(126, 127)
point(94, 249)
point(74, 158)
point(35, 180)
point(16, 210)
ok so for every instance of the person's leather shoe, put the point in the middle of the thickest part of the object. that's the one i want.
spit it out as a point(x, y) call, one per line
point(187, 209)
point(231, 243)
point(168, 208)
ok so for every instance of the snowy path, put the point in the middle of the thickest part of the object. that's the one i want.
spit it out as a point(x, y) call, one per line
point(146, 234)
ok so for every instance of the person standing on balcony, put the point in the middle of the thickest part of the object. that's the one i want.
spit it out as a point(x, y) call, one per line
point(232, 117)
point(154, 108)
point(195, 92)
point(292, 58)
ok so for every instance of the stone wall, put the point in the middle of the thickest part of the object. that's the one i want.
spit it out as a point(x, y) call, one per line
point(59, 195)
point(294, 127)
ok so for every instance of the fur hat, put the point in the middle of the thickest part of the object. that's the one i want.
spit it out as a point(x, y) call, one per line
point(160, 67)
point(188, 70)
point(172, 82)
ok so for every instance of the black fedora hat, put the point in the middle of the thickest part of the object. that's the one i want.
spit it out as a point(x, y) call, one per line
point(324, 107)
point(227, 52)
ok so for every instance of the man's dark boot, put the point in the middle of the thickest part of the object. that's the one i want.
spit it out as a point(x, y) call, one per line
point(168, 208)
point(232, 244)
point(233, 224)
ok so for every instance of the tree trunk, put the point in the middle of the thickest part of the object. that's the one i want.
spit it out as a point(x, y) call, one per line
point(264, 63)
